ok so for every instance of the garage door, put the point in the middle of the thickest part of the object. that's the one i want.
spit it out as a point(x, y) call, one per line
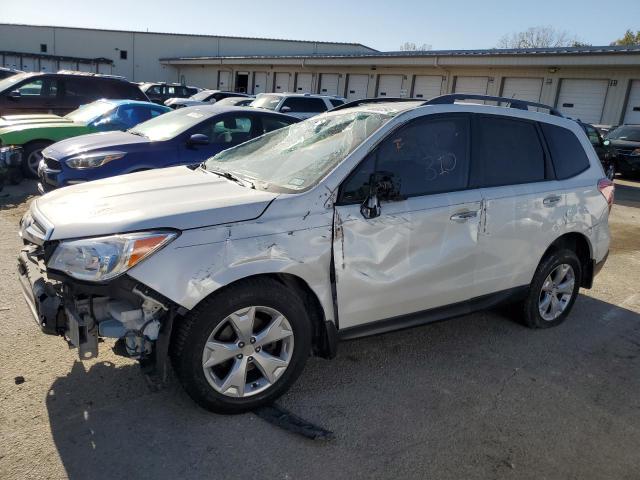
point(477, 85)
point(632, 110)
point(259, 82)
point(224, 80)
point(582, 99)
point(357, 87)
point(522, 88)
point(427, 86)
point(282, 82)
point(304, 83)
point(389, 85)
point(329, 83)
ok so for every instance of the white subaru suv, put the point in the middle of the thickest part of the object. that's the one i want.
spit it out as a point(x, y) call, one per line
point(373, 217)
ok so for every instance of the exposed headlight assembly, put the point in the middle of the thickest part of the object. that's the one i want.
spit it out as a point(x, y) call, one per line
point(103, 258)
point(93, 160)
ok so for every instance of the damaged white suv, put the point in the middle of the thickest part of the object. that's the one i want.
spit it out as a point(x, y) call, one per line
point(372, 217)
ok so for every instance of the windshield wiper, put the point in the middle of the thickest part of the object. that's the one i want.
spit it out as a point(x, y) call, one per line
point(135, 132)
point(230, 176)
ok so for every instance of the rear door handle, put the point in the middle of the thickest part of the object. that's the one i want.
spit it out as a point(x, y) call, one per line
point(463, 216)
point(551, 201)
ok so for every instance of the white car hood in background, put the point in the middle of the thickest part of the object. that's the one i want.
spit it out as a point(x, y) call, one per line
point(177, 197)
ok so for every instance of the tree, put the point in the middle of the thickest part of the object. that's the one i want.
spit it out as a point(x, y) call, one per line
point(629, 38)
point(412, 47)
point(538, 37)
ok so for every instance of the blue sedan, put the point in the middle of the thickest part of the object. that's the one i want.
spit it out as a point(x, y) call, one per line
point(182, 137)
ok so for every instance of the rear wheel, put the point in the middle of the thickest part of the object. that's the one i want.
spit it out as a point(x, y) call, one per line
point(32, 154)
point(244, 347)
point(554, 290)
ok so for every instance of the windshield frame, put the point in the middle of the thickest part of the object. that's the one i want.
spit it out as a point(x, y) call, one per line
point(269, 185)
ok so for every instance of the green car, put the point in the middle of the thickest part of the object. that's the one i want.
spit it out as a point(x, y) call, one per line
point(27, 135)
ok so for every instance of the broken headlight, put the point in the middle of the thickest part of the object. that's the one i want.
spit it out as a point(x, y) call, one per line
point(103, 258)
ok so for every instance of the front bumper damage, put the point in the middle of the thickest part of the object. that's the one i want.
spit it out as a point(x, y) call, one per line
point(124, 309)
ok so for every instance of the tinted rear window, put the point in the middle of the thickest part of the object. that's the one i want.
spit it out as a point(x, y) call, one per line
point(506, 152)
point(567, 154)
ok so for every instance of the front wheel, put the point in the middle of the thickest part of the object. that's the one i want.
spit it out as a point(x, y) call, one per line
point(242, 348)
point(554, 290)
point(32, 154)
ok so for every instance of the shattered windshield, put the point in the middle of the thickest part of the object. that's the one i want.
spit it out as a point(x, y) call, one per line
point(296, 157)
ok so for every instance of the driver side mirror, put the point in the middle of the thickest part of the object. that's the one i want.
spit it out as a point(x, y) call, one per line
point(383, 186)
point(198, 139)
point(15, 94)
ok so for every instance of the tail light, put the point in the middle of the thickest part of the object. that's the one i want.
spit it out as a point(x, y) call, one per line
point(607, 188)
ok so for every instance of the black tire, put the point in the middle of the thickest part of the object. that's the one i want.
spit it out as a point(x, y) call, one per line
point(532, 317)
point(193, 330)
point(28, 150)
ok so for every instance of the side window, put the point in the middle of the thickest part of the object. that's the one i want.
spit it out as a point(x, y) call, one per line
point(430, 155)
point(155, 90)
point(506, 152)
point(131, 115)
point(155, 112)
point(231, 130)
point(594, 136)
point(302, 104)
point(43, 87)
point(567, 154)
point(270, 124)
point(335, 102)
point(78, 87)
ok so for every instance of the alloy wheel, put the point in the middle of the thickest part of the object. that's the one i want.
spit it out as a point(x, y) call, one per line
point(248, 351)
point(33, 161)
point(556, 292)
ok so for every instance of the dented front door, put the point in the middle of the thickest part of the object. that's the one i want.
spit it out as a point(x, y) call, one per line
point(420, 253)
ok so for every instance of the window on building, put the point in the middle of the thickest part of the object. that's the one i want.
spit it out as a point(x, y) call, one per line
point(43, 48)
point(123, 54)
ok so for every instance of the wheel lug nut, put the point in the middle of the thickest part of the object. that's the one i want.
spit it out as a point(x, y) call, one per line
point(250, 359)
point(258, 349)
point(241, 344)
point(239, 356)
point(253, 340)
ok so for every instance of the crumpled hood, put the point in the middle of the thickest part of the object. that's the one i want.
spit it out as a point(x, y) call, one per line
point(178, 197)
point(92, 142)
point(11, 120)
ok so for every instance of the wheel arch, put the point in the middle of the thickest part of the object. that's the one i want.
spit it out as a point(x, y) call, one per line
point(581, 245)
point(324, 341)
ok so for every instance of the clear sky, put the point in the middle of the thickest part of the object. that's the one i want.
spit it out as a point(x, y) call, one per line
point(381, 24)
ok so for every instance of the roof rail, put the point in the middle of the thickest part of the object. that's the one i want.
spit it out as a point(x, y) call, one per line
point(368, 101)
point(513, 102)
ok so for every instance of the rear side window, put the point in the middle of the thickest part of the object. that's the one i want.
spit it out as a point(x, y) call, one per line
point(335, 102)
point(506, 152)
point(123, 91)
point(301, 104)
point(567, 153)
point(79, 87)
point(270, 124)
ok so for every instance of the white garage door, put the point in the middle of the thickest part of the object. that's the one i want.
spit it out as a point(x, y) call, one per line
point(329, 83)
point(357, 87)
point(582, 99)
point(259, 82)
point(282, 82)
point(632, 110)
point(389, 85)
point(427, 86)
point(522, 88)
point(477, 85)
point(304, 83)
point(224, 80)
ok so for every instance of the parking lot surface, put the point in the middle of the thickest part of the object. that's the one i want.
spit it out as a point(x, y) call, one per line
point(479, 396)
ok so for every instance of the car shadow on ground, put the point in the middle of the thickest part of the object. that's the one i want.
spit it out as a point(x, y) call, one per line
point(12, 196)
point(475, 396)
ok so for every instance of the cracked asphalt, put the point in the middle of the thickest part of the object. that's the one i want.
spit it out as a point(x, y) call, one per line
point(476, 397)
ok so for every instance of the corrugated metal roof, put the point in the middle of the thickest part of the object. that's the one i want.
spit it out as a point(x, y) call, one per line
point(598, 50)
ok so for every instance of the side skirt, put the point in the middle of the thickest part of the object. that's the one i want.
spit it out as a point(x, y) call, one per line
point(434, 315)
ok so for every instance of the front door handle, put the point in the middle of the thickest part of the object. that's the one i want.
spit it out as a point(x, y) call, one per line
point(463, 216)
point(551, 201)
